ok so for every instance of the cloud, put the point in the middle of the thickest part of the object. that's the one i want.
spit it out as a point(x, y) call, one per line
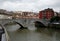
point(30, 5)
point(48, 4)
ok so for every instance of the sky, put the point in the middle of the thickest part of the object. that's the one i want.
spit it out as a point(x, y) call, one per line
point(29, 5)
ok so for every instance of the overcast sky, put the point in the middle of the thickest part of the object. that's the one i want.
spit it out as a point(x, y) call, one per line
point(29, 5)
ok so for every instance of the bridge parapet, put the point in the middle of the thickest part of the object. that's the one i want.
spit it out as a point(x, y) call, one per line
point(24, 22)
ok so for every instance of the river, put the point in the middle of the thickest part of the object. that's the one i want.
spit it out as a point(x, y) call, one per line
point(32, 33)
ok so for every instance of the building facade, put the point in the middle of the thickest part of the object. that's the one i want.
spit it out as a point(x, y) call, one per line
point(25, 14)
point(2, 16)
point(46, 14)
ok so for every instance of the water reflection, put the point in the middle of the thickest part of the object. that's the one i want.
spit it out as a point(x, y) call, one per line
point(40, 34)
point(13, 27)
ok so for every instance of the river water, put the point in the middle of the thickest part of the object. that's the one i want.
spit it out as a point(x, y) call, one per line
point(32, 33)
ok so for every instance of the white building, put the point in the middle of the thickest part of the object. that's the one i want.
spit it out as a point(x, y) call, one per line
point(5, 16)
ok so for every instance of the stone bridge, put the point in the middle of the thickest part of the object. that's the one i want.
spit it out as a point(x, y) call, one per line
point(24, 22)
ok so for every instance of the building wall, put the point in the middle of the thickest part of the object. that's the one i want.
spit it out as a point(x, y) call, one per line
point(46, 14)
point(40, 14)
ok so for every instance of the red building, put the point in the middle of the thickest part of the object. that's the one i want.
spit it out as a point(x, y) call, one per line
point(46, 14)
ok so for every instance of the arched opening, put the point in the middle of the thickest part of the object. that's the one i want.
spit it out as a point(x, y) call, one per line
point(39, 24)
point(13, 26)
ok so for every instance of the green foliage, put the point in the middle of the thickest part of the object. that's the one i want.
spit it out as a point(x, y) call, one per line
point(55, 18)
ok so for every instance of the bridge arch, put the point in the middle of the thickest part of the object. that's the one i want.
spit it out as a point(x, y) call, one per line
point(13, 23)
point(39, 24)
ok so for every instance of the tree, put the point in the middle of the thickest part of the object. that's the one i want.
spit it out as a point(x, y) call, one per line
point(55, 18)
